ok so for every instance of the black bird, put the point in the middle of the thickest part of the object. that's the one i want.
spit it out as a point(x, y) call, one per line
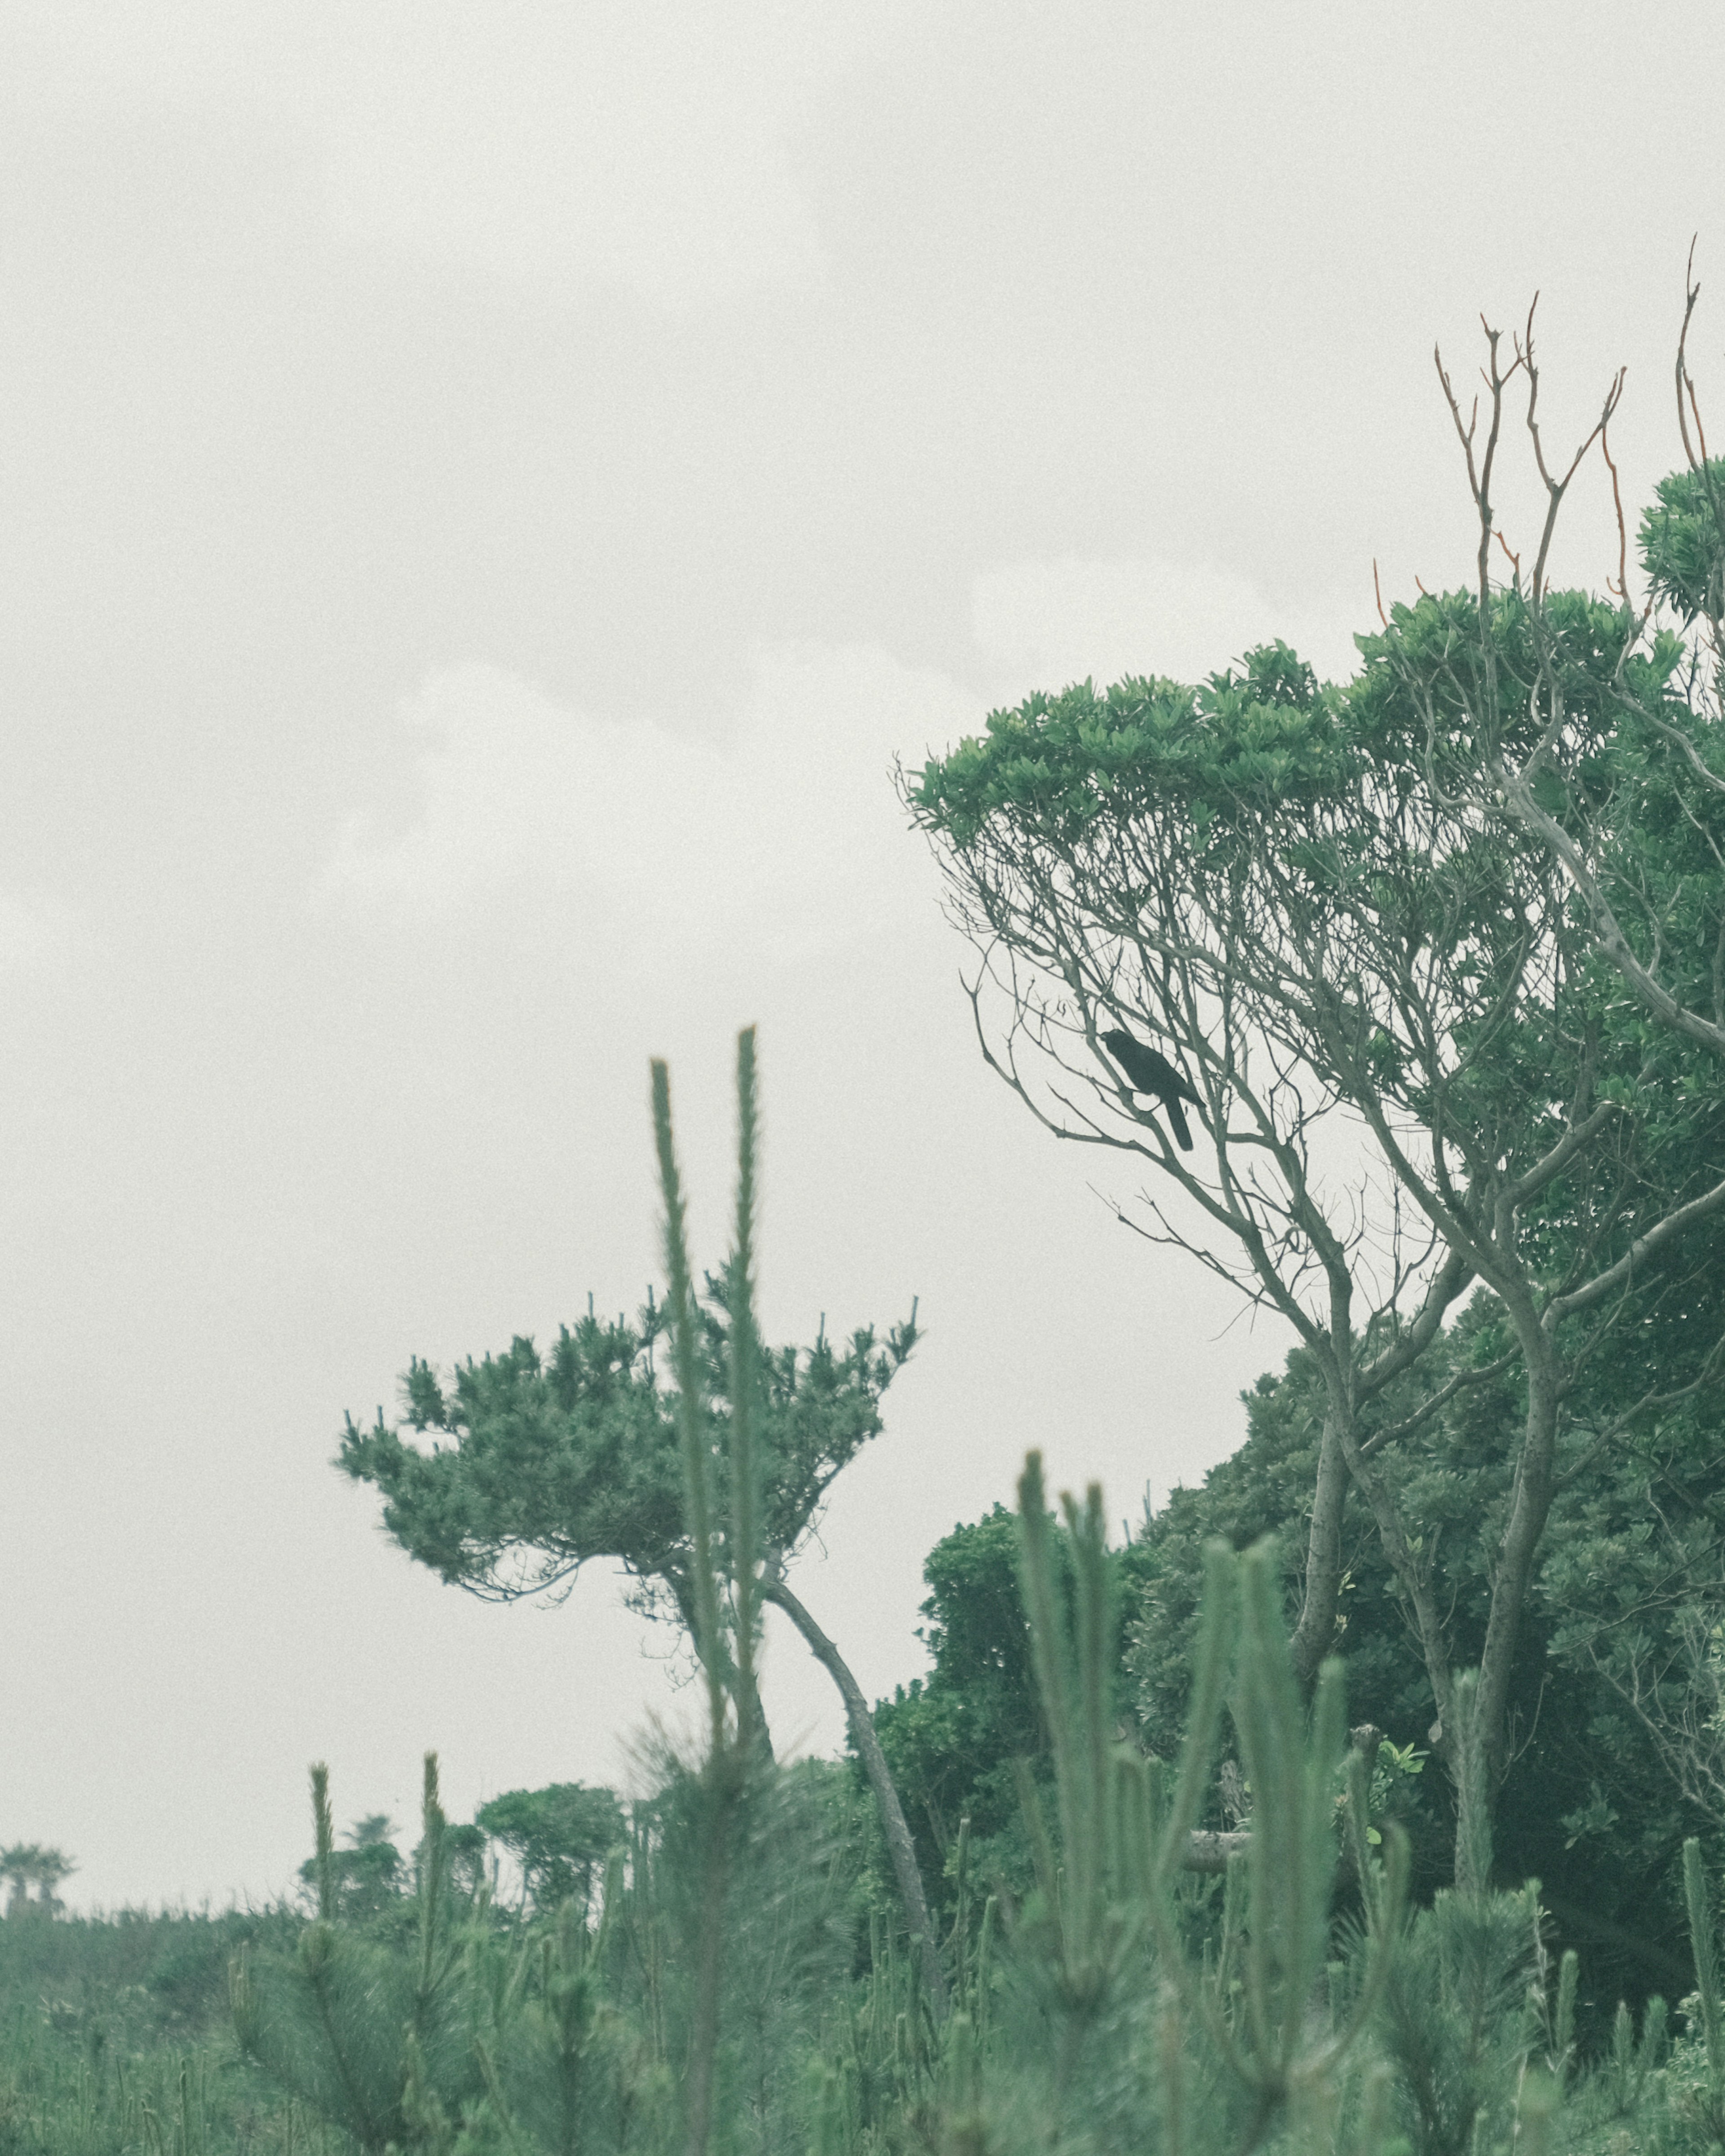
point(1147, 1072)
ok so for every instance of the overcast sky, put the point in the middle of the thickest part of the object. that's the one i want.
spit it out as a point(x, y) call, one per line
point(487, 492)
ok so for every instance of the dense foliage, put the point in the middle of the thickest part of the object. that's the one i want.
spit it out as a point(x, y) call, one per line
point(540, 1463)
point(1592, 1810)
point(559, 1837)
point(957, 1738)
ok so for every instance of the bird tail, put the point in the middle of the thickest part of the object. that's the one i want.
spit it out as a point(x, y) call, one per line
point(1177, 1120)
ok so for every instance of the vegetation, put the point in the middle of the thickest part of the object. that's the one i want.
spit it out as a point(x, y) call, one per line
point(588, 1455)
point(27, 1864)
point(1369, 1799)
point(1122, 2001)
point(1393, 922)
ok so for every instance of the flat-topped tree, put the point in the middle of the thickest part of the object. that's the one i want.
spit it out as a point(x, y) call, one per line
point(368, 1875)
point(560, 1837)
point(540, 1463)
point(560, 1459)
point(1095, 859)
point(27, 1864)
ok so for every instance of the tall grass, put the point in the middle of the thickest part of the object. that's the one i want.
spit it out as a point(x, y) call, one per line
point(730, 1983)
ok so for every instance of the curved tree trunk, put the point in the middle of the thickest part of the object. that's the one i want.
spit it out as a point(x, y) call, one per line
point(685, 1617)
point(873, 1759)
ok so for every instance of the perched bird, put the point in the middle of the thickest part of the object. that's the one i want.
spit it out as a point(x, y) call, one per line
point(1147, 1072)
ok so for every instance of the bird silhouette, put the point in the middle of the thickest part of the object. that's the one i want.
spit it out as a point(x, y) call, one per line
point(1147, 1072)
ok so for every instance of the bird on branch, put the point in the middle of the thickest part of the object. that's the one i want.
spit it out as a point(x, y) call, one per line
point(1147, 1072)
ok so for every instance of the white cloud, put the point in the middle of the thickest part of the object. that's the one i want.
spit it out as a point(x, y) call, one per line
point(610, 144)
point(788, 829)
point(1044, 624)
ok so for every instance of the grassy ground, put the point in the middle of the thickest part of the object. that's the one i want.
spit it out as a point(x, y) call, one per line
point(115, 2036)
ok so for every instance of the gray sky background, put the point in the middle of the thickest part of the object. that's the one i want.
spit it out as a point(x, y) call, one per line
point(487, 492)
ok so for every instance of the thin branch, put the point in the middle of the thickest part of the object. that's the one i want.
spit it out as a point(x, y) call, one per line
point(1445, 1285)
point(1463, 1381)
point(1622, 522)
point(1650, 1403)
point(1557, 488)
point(1573, 1141)
point(1518, 797)
point(1691, 293)
point(1708, 776)
point(1643, 1248)
point(1515, 560)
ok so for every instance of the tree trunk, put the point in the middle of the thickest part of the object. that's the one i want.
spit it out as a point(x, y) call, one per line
point(1315, 1635)
point(1415, 1575)
point(1529, 1507)
point(873, 1759)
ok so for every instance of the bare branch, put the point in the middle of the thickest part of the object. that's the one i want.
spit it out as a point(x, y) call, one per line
point(1685, 385)
point(1622, 522)
point(1556, 488)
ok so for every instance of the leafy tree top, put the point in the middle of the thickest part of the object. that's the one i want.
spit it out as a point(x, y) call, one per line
point(559, 1835)
point(1266, 734)
point(29, 1863)
point(1064, 761)
point(1682, 544)
point(560, 1458)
